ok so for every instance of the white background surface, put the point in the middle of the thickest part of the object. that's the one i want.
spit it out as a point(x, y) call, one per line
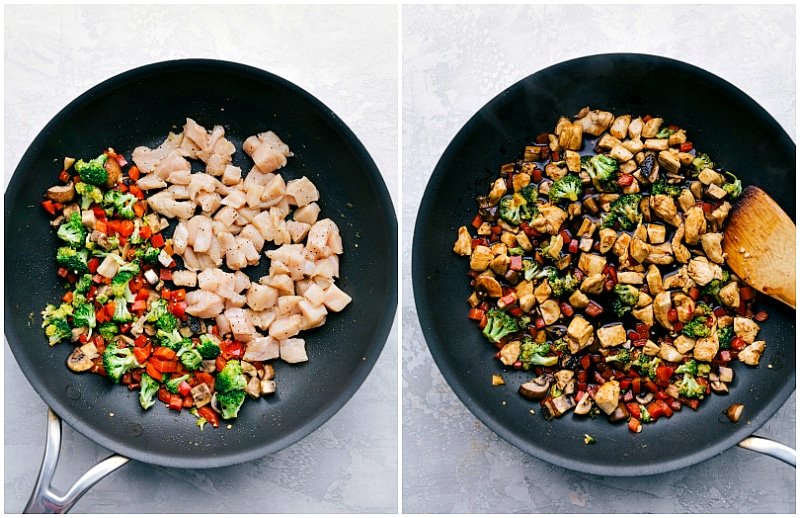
point(344, 56)
point(456, 59)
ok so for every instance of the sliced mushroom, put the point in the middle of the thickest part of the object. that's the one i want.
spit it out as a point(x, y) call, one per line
point(644, 399)
point(562, 404)
point(619, 414)
point(114, 172)
point(536, 388)
point(734, 412)
point(717, 386)
point(584, 406)
point(78, 361)
point(61, 193)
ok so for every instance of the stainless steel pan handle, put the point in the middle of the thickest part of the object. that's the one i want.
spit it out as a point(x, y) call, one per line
point(44, 498)
point(771, 448)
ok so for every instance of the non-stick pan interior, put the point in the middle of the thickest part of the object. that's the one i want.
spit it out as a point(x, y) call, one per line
point(141, 107)
point(720, 120)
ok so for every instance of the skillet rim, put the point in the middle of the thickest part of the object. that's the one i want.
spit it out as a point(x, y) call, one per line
point(383, 328)
point(424, 307)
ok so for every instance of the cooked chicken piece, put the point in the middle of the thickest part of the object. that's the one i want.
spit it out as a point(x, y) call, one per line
point(550, 311)
point(577, 300)
point(267, 150)
point(702, 272)
point(181, 177)
point(287, 327)
point(679, 279)
point(591, 264)
point(236, 301)
point(608, 141)
point(686, 200)
point(644, 314)
point(635, 128)
point(250, 232)
point(580, 333)
point(620, 153)
point(109, 267)
point(570, 136)
point(607, 396)
point(717, 217)
point(619, 128)
point(593, 284)
point(664, 207)
point(630, 277)
point(652, 127)
point(650, 348)
point(712, 246)
point(683, 344)
point(293, 350)
point(668, 161)
point(201, 395)
point(639, 249)
point(654, 281)
point(751, 354)
point(660, 254)
point(710, 177)
point(656, 233)
point(716, 192)
point(595, 122)
point(542, 291)
point(273, 192)
point(669, 353)
point(572, 159)
point(204, 304)
point(184, 278)
point(682, 254)
point(729, 295)
point(621, 245)
point(335, 299)
point(705, 349)
point(235, 257)
point(549, 219)
point(612, 335)
point(463, 245)
point(661, 306)
point(695, 224)
point(745, 329)
point(634, 146)
point(685, 307)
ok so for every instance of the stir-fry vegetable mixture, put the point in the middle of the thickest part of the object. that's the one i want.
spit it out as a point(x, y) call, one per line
point(596, 263)
point(130, 322)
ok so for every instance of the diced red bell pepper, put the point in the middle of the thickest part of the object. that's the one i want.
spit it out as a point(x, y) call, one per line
point(536, 175)
point(83, 338)
point(175, 402)
point(184, 389)
point(625, 180)
point(483, 322)
point(139, 305)
point(687, 146)
point(624, 384)
point(634, 410)
point(165, 274)
point(664, 373)
point(163, 394)
point(64, 176)
point(208, 413)
point(49, 207)
point(720, 312)
point(220, 363)
point(178, 295)
point(737, 344)
point(157, 240)
point(540, 324)
point(658, 408)
point(594, 309)
point(93, 264)
point(141, 354)
point(573, 246)
point(516, 311)
point(153, 372)
point(164, 366)
point(566, 309)
point(178, 308)
point(133, 173)
point(634, 425)
point(164, 353)
point(672, 315)
point(477, 221)
point(761, 316)
point(636, 385)
point(515, 263)
point(747, 293)
point(476, 314)
point(694, 293)
point(586, 361)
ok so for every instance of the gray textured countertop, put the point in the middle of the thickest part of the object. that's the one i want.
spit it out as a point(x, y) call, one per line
point(53, 54)
point(455, 59)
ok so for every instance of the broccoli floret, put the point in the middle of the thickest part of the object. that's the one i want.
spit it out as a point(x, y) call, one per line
point(209, 347)
point(560, 345)
point(93, 172)
point(499, 324)
point(624, 211)
point(623, 356)
point(83, 316)
point(55, 324)
point(148, 255)
point(83, 284)
point(725, 336)
point(561, 286)
point(702, 161)
point(712, 288)
point(230, 403)
point(690, 367)
point(647, 365)
point(108, 330)
point(697, 328)
point(535, 354)
point(120, 286)
point(173, 384)
point(689, 387)
point(567, 188)
point(189, 355)
point(167, 322)
point(530, 192)
point(703, 369)
point(157, 309)
point(72, 231)
point(552, 249)
point(118, 360)
point(148, 391)
point(73, 260)
point(122, 202)
point(230, 377)
point(602, 170)
point(514, 209)
point(89, 194)
point(171, 339)
point(644, 415)
point(121, 313)
point(626, 297)
point(662, 187)
point(665, 132)
point(733, 188)
point(529, 268)
point(136, 237)
point(515, 250)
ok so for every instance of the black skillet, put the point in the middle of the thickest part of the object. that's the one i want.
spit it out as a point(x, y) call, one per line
point(139, 107)
point(722, 121)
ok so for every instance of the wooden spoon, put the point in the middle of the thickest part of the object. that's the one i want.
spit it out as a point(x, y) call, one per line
point(760, 245)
